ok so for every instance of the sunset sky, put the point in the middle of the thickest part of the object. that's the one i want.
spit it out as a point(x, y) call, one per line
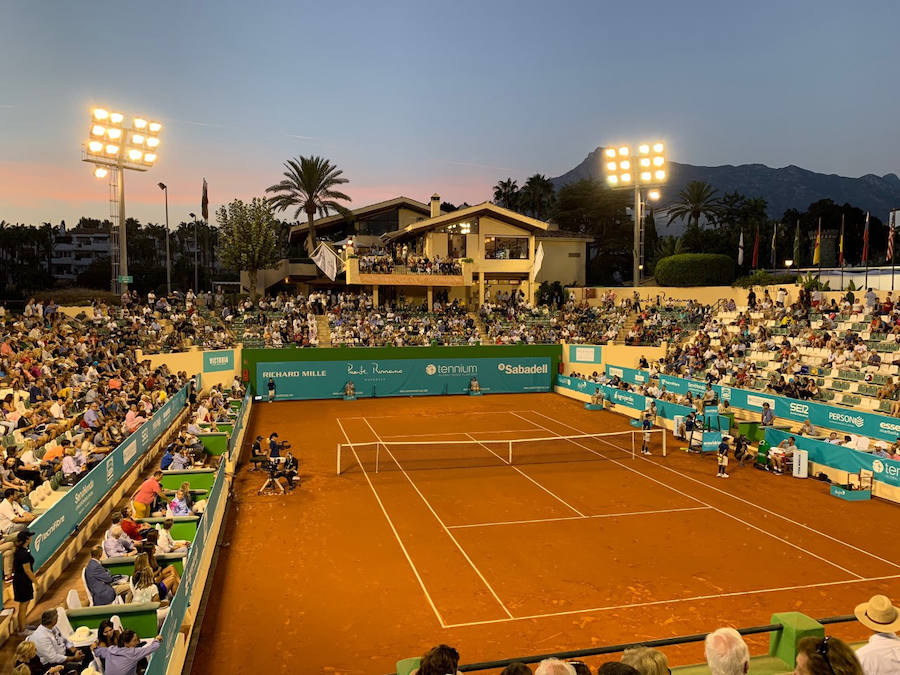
point(419, 97)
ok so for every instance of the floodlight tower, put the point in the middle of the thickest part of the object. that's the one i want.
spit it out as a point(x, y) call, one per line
point(117, 145)
point(625, 170)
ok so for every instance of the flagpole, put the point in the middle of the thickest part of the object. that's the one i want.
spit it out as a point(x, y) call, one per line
point(841, 252)
point(893, 221)
point(819, 246)
point(866, 250)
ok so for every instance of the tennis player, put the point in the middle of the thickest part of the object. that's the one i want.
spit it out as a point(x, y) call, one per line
point(647, 425)
point(722, 459)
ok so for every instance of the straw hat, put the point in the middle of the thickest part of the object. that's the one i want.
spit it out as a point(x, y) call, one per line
point(878, 614)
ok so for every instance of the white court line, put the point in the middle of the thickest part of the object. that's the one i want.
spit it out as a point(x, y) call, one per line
point(674, 601)
point(463, 433)
point(394, 530)
point(684, 494)
point(746, 501)
point(438, 518)
point(599, 515)
point(549, 492)
point(437, 414)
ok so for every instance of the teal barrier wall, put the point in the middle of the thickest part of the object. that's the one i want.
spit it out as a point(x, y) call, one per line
point(844, 459)
point(837, 418)
point(217, 361)
point(55, 525)
point(405, 377)
point(253, 361)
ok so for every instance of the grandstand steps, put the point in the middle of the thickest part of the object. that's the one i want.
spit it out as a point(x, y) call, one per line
point(482, 332)
point(630, 320)
point(324, 330)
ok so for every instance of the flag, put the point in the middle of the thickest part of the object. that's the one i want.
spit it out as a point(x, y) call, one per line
point(890, 249)
point(797, 244)
point(204, 203)
point(865, 255)
point(756, 249)
point(327, 261)
point(841, 244)
point(741, 250)
point(538, 261)
point(817, 251)
point(774, 235)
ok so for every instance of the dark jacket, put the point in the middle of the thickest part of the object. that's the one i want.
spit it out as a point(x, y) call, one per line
point(99, 583)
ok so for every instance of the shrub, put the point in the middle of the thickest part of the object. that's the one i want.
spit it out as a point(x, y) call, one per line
point(760, 278)
point(695, 269)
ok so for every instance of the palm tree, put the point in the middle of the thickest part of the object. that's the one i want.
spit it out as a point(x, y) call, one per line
point(697, 200)
point(309, 184)
point(537, 196)
point(506, 193)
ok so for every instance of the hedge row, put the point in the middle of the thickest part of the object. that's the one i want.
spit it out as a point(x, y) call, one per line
point(695, 269)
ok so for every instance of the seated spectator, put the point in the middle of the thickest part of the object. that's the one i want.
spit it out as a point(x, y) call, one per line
point(767, 416)
point(27, 658)
point(101, 585)
point(107, 635)
point(516, 669)
point(178, 506)
point(646, 661)
point(168, 575)
point(826, 656)
point(727, 653)
point(616, 668)
point(807, 429)
point(165, 543)
point(116, 544)
point(55, 650)
point(882, 652)
point(166, 460)
point(555, 667)
point(134, 530)
point(440, 660)
point(124, 658)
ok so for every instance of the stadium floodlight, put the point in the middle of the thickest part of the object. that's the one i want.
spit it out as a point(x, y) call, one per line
point(645, 168)
point(114, 145)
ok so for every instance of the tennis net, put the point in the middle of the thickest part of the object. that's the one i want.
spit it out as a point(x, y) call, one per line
point(378, 456)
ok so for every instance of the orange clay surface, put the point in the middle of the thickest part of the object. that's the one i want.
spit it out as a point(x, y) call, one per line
point(351, 572)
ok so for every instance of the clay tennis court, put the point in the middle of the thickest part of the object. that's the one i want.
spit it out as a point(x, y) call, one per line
point(582, 545)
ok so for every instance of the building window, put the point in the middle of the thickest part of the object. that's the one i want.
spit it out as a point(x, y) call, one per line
point(506, 248)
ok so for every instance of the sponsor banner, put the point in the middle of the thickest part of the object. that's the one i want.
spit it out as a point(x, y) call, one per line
point(711, 441)
point(630, 375)
point(845, 459)
point(217, 361)
point(403, 377)
point(159, 661)
point(584, 353)
point(56, 524)
point(837, 418)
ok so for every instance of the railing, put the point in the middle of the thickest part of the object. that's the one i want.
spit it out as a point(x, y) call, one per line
point(613, 649)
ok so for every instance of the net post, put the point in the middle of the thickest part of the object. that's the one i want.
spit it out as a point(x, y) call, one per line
point(338, 459)
point(664, 442)
point(510, 452)
point(632, 444)
point(377, 454)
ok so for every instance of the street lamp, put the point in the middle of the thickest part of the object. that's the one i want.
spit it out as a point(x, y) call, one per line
point(196, 248)
point(627, 170)
point(165, 189)
point(114, 143)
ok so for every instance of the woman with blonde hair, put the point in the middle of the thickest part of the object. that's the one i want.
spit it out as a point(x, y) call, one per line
point(646, 661)
point(826, 656)
point(27, 659)
point(144, 588)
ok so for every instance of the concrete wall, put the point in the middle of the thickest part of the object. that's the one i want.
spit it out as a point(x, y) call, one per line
point(192, 362)
point(559, 265)
point(616, 355)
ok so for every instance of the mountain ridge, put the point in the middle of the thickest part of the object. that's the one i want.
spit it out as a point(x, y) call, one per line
point(783, 188)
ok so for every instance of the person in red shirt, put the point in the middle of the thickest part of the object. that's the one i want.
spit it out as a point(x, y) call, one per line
point(131, 527)
point(145, 495)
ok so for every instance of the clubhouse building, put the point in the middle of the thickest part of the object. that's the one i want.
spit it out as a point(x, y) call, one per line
point(496, 250)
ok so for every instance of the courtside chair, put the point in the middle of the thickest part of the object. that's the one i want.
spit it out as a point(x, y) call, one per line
point(406, 666)
point(72, 599)
point(87, 591)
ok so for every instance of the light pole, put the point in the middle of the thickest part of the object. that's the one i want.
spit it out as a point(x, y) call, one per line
point(117, 145)
point(196, 248)
point(625, 170)
point(165, 189)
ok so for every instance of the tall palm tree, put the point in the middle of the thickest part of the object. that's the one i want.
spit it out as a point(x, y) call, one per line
point(309, 185)
point(537, 196)
point(506, 193)
point(697, 200)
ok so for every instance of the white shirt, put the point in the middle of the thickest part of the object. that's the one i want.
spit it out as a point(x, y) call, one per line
point(881, 656)
point(8, 511)
point(51, 645)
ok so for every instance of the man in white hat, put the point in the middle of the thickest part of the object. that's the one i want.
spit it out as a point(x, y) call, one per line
point(881, 655)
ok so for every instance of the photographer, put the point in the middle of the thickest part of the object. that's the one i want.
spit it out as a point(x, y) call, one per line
point(257, 455)
point(275, 447)
point(288, 470)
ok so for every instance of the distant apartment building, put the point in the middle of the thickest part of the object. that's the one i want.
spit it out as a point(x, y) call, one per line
point(75, 249)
